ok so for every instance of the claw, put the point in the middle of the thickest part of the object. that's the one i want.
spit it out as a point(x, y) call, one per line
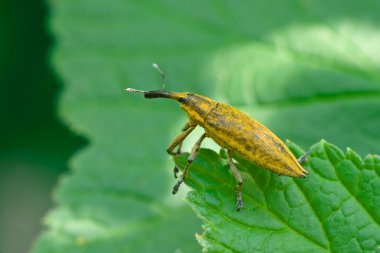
point(176, 186)
point(239, 199)
point(175, 171)
point(239, 204)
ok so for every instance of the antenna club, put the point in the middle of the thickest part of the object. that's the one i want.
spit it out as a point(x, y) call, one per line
point(134, 90)
point(156, 67)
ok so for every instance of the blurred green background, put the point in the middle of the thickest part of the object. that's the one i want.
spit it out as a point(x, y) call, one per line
point(34, 144)
point(306, 69)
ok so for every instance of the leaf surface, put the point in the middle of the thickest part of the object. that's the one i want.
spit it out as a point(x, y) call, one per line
point(332, 210)
point(306, 69)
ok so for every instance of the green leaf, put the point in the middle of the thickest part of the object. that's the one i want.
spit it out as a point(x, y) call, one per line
point(335, 209)
point(306, 69)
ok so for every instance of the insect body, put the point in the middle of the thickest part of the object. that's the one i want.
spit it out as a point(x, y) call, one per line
point(232, 130)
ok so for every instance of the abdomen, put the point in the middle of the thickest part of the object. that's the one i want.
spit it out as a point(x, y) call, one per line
point(234, 130)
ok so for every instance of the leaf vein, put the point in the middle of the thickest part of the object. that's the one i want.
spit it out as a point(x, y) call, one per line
point(361, 204)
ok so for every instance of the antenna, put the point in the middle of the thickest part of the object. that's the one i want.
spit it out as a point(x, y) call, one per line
point(155, 66)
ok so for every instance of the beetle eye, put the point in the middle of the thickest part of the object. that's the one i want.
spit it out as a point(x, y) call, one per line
point(182, 100)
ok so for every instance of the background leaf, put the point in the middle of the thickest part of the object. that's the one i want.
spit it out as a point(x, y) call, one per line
point(34, 144)
point(306, 69)
point(332, 210)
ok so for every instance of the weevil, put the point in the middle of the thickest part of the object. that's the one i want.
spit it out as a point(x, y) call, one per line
point(231, 129)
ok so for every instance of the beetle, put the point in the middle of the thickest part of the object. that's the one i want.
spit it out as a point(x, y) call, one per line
point(231, 129)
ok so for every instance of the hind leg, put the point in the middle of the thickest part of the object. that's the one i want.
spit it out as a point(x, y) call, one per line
point(239, 180)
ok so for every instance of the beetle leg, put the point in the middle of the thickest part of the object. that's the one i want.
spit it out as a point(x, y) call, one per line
point(193, 154)
point(303, 158)
point(179, 139)
point(239, 180)
point(186, 130)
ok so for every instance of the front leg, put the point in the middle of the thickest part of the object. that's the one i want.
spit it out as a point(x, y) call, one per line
point(186, 130)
